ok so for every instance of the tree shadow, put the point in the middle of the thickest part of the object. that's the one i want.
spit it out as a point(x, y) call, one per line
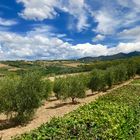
point(6, 124)
point(91, 94)
point(51, 100)
point(59, 105)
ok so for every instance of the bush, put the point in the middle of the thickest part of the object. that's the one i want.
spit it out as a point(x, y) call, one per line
point(131, 69)
point(112, 117)
point(21, 96)
point(85, 78)
point(8, 93)
point(47, 87)
point(58, 86)
point(120, 73)
point(109, 77)
point(98, 80)
point(69, 87)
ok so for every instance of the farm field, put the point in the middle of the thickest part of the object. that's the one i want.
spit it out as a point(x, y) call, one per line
point(50, 109)
point(112, 116)
point(69, 69)
point(29, 99)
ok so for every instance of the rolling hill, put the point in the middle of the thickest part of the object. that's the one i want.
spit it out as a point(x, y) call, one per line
point(111, 57)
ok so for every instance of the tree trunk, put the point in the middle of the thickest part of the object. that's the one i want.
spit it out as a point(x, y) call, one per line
point(73, 100)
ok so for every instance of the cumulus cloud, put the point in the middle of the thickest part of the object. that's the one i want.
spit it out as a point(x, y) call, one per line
point(40, 46)
point(112, 16)
point(37, 46)
point(132, 34)
point(98, 37)
point(46, 9)
point(5, 22)
point(38, 10)
point(42, 42)
point(125, 48)
point(107, 23)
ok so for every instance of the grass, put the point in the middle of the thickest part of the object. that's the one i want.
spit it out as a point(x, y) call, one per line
point(137, 81)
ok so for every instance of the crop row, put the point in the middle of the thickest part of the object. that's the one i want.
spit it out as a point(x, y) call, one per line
point(115, 116)
point(21, 95)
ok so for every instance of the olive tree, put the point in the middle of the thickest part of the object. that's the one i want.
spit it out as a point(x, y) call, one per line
point(98, 81)
point(109, 77)
point(58, 86)
point(8, 94)
point(20, 96)
point(69, 87)
point(74, 88)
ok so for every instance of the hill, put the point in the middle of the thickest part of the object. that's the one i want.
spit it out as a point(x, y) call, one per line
point(111, 57)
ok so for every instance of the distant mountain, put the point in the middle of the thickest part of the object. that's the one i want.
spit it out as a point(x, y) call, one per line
point(111, 57)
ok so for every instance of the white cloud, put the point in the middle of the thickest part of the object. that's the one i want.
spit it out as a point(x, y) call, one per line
point(107, 23)
point(78, 9)
point(33, 46)
point(125, 48)
point(98, 37)
point(38, 10)
point(111, 16)
point(5, 22)
point(45, 9)
point(40, 46)
point(88, 49)
point(132, 34)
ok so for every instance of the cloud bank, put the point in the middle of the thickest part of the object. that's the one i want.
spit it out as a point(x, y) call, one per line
point(36, 45)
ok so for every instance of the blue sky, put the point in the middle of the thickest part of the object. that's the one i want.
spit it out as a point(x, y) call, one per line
point(60, 29)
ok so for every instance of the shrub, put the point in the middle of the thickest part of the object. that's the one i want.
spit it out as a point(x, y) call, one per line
point(112, 117)
point(69, 87)
point(131, 69)
point(47, 87)
point(8, 93)
point(98, 80)
point(21, 96)
point(120, 73)
point(74, 88)
point(109, 77)
point(58, 86)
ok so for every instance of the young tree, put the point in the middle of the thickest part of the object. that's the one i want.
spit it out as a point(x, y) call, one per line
point(98, 81)
point(30, 94)
point(20, 96)
point(85, 78)
point(47, 86)
point(70, 87)
point(109, 77)
point(131, 69)
point(8, 93)
point(74, 88)
point(58, 86)
point(120, 73)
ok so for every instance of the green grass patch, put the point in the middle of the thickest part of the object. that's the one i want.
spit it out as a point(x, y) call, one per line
point(137, 81)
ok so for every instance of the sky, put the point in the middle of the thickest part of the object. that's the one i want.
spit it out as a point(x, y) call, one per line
point(68, 29)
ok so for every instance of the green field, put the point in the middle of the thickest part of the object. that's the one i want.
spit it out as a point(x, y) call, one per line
point(25, 87)
point(115, 116)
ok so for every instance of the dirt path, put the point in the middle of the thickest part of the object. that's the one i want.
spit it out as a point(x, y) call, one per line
point(53, 108)
point(52, 78)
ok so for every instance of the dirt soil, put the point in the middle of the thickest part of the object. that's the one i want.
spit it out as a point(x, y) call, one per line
point(3, 66)
point(52, 108)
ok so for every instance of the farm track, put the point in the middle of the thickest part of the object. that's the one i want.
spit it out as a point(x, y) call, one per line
point(54, 108)
point(52, 78)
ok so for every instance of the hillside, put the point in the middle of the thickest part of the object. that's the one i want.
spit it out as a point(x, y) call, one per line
point(111, 57)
